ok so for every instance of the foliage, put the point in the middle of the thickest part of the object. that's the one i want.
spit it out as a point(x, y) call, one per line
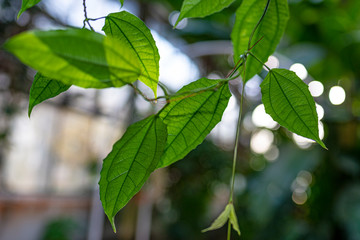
point(128, 53)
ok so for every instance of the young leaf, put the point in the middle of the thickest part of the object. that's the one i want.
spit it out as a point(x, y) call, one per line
point(269, 31)
point(233, 219)
point(221, 219)
point(122, 2)
point(130, 163)
point(201, 8)
point(190, 119)
point(77, 57)
point(44, 88)
point(27, 4)
point(132, 31)
point(288, 101)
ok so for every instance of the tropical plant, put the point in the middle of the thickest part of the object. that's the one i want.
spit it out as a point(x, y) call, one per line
point(127, 53)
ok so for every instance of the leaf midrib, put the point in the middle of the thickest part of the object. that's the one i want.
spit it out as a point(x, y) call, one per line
point(283, 92)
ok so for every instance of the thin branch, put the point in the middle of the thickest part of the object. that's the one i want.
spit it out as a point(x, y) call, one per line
point(258, 23)
point(86, 20)
point(256, 43)
point(251, 54)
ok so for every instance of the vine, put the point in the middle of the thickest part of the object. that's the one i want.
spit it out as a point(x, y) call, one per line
point(128, 53)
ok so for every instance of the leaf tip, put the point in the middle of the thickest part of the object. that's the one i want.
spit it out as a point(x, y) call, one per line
point(112, 221)
point(29, 111)
point(321, 143)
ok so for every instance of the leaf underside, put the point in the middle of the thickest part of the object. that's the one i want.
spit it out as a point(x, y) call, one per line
point(131, 30)
point(288, 101)
point(201, 8)
point(130, 163)
point(26, 4)
point(189, 120)
point(269, 31)
point(44, 88)
point(77, 57)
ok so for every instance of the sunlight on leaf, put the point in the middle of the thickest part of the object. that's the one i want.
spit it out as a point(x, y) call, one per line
point(133, 158)
point(191, 119)
point(44, 88)
point(129, 29)
point(77, 57)
point(201, 8)
point(288, 101)
point(269, 31)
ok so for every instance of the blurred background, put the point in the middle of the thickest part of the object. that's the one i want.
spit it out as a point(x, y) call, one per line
point(287, 187)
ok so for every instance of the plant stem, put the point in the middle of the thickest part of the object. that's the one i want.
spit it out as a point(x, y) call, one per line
point(258, 23)
point(229, 231)
point(182, 95)
point(238, 128)
point(253, 55)
point(86, 20)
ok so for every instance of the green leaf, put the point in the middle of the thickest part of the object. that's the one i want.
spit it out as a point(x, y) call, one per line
point(26, 4)
point(190, 119)
point(201, 8)
point(221, 219)
point(288, 101)
point(227, 214)
point(269, 31)
point(44, 88)
point(77, 57)
point(130, 163)
point(122, 2)
point(233, 219)
point(131, 30)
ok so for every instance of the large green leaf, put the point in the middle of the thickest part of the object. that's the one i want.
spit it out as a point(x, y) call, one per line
point(77, 57)
point(131, 30)
point(269, 31)
point(288, 101)
point(44, 88)
point(27, 4)
point(130, 163)
point(191, 119)
point(201, 8)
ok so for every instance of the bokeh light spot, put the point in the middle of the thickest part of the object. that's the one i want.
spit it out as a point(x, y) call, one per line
point(316, 88)
point(300, 70)
point(337, 95)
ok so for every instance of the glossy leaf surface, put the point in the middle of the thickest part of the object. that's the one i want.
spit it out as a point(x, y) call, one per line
point(130, 163)
point(44, 88)
point(201, 8)
point(288, 101)
point(77, 57)
point(190, 119)
point(269, 31)
point(131, 30)
point(26, 4)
